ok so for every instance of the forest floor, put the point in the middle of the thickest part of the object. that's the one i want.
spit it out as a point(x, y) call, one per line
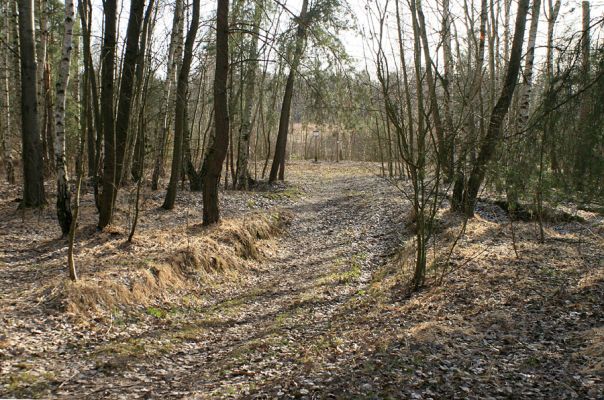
point(309, 303)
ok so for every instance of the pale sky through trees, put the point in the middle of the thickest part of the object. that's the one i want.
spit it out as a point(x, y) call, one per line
point(357, 40)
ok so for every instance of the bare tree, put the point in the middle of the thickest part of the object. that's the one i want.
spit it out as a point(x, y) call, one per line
point(217, 153)
point(63, 194)
point(107, 111)
point(171, 73)
point(180, 110)
point(124, 108)
point(5, 97)
point(243, 175)
point(278, 166)
point(493, 136)
point(33, 178)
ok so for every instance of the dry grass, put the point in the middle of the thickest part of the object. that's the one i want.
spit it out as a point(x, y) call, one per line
point(219, 252)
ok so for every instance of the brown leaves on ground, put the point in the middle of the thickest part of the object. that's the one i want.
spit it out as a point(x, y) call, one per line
point(319, 311)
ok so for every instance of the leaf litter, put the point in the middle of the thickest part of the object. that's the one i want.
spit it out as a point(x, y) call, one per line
point(315, 310)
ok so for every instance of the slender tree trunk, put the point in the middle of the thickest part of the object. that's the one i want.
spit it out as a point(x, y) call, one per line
point(281, 145)
point(172, 63)
point(83, 125)
point(141, 91)
point(584, 146)
point(489, 143)
point(63, 194)
point(124, 108)
point(474, 102)
point(5, 100)
point(33, 178)
point(552, 16)
point(216, 155)
point(435, 109)
point(527, 86)
point(107, 111)
point(447, 74)
point(94, 122)
point(243, 175)
point(180, 110)
point(48, 126)
point(44, 91)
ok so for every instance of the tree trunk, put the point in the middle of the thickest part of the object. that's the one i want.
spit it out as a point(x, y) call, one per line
point(94, 122)
point(175, 38)
point(435, 109)
point(142, 85)
point(63, 193)
point(180, 112)
point(446, 82)
point(5, 100)
point(548, 128)
point(243, 153)
point(79, 172)
point(124, 108)
point(281, 145)
point(48, 125)
point(44, 89)
point(527, 86)
point(107, 111)
point(33, 167)
point(584, 146)
point(489, 143)
point(216, 155)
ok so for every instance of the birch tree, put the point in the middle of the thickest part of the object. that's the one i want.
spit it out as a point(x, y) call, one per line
point(243, 153)
point(180, 109)
point(63, 194)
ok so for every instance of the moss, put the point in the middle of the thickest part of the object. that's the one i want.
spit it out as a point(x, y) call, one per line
point(156, 312)
point(290, 193)
point(30, 384)
point(353, 274)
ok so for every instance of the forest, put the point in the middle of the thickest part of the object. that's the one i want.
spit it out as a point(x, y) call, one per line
point(313, 199)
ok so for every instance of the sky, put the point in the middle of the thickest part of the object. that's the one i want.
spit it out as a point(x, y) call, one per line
point(357, 45)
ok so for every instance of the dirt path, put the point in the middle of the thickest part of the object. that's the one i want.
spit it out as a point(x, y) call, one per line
point(260, 334)
point(324, 315)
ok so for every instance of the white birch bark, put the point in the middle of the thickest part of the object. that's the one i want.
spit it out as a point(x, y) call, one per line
point(526, 88)
point(63, 195)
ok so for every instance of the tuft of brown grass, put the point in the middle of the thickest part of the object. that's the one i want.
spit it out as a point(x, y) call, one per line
point(594, 350)
point(222, 251)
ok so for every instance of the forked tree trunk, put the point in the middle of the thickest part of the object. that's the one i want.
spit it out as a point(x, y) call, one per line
point(124, 108)
point(63, 194)
point(94, 122)
point(243, 153)
point(216, 155)
point(107, 111)
point(435, 109)
point(142, 82)
point(278, 166)
point(181, 104)
point(172, 64)
point(33, 167)
point(493, 136)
